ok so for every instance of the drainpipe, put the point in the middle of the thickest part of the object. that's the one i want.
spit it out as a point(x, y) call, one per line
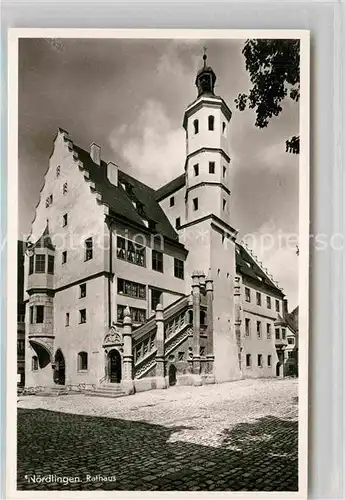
point(110, 277)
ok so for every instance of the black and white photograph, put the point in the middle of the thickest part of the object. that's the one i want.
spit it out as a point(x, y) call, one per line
point(161, 187)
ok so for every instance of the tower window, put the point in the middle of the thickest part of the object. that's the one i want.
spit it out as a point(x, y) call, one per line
point(195, 204)
point(260, 360)
point(64, 220)
point(248, 360)
point(39, 314)
point(224, 204)
point(211, 122)
point(67, 319)
point(82, 316)
point(223, 127)
point(224, 171)
point(196, 169)
point(82, 361)
point(178, 222)
point(211, 167)
point(196, 126)
point(88, 249)
point(269, 360)
point(172, 201)
point(40, 263)
point(64, 256)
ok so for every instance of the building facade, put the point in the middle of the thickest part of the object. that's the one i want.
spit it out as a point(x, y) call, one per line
point(144, 288)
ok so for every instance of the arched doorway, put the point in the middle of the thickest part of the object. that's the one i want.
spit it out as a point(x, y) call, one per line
point(172, 375)
point(114, 366)
point(60, 368)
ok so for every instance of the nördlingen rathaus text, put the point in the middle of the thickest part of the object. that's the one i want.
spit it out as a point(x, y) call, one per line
point(128, 288)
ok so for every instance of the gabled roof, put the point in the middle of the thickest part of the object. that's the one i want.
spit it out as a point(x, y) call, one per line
point(170, 187)
point(120, 201)
point(247, 266)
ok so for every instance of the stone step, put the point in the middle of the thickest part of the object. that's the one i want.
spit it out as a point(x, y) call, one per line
point(104, 393)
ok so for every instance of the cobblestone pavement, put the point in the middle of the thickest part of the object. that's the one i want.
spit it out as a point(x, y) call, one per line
point(235, 436)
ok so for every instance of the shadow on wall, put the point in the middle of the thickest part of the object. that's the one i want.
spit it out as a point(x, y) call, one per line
point(258, 456)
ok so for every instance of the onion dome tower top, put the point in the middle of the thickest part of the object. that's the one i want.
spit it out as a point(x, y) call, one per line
point(205, 78)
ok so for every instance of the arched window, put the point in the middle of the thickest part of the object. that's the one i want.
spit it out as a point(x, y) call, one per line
point(82, 361)
point(203, 318)
point(196, 126)
point(211, 122)
point(34, 363)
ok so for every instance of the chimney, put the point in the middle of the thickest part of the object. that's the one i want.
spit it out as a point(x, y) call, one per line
point(285, 306)
point(95, 153)
point(112, 173)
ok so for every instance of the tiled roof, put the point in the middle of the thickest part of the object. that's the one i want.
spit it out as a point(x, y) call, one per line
point(247, 266)
point(170, 187)
point(120, 201)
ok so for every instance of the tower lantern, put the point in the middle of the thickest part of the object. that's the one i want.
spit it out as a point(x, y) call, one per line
point(205, 78)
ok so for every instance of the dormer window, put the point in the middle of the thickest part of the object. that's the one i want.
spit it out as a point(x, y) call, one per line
point(211, 122)
point(196, 126)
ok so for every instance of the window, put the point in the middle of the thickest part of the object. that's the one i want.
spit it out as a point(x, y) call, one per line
point(131, 252)
point(65, 188)
point(179, 269)
point(82, 290)
point(180, 356)
point(64, 256)
point(82, 316)
point(64, 220)
point(277, 306)
point(58, 171)
point(224, 171)
point(82, 361)
point(195, 204)
point(248, 360)
point(258, 298)
point(247, 326)
point(268, 330)
point(67, 319)
point(20, 347)
point(39, 314)
point(131, 289)
point(283, 333)
point(269, 360)
point(258, 329)
point(88, 249)
point(40, 266)
point(31, 264)
point(202, 351)
point(31, 315)
point(196, 126)
point(268, 302)
point(49, 200)
point(291, 340)
point(196, 169)
point(247, 294)
point(172, 201)
point(50, 264)
point(223, 127)
point(260, 360)
point(211, 167)
point(178, 222)
point(157, 261)
point(211, 122)
point(224, 204)
point(137, 315)
point(277, 334)
point(34, 363)
point(155, 298)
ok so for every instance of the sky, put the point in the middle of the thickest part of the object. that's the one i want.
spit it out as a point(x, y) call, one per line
point(129, 97)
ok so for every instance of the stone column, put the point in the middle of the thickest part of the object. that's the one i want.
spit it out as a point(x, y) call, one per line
point(160, 355)
point(196, 327)
point(127, 377)
point(209, 301)
point(237, 296)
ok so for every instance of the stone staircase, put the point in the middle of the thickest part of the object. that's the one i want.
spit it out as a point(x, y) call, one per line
point(106, 390)
point(54, 390)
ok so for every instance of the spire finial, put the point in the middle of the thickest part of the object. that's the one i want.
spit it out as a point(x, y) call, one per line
point(205, 56)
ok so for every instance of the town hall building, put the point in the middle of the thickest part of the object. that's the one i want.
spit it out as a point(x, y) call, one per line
point(128, 288)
